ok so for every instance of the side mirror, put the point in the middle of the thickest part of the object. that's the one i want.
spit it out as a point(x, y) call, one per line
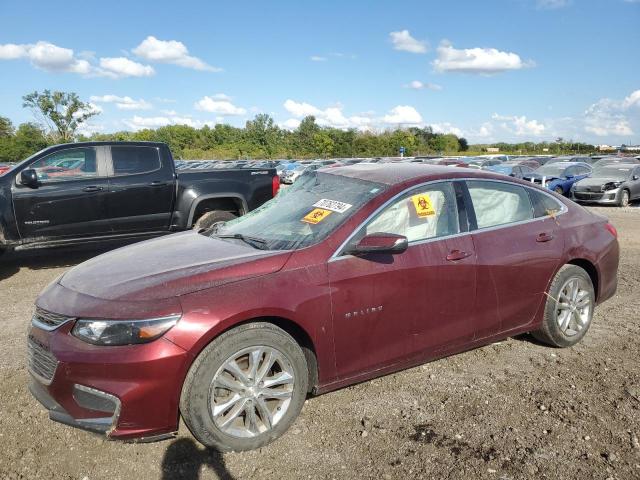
point(380, 243)
point(636, 177)
point(29, 178)
point(569, 177)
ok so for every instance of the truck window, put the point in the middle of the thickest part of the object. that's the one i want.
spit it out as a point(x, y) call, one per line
point(67, 165)
point(133, 160)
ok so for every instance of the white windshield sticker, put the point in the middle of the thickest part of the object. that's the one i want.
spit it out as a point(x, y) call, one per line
point(333, 205)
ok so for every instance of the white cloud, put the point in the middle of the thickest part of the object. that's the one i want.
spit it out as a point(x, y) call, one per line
point(418, 85)
point(220, 104)
point(446, 127)
point(46, 56)
point(633, 100)
point(122, 103)
point(89, 129)
point(138, 122)
point(402, 40)
point(476, 60)
point(300, 109)
point(607, 117)
point(519, 125)
point(118, 67)
point(290, 124)
point(170, 51)
point(403, 115)
point(317, 58)
point(552, 4)
point(332, 116)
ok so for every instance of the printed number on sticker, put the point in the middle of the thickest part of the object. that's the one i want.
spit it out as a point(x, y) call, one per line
point(423, 205)
point(316, 215)
point(333, 205)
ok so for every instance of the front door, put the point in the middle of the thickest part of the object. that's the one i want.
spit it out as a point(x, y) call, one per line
point(69, 200)
point(141, 190)
point(388, 308)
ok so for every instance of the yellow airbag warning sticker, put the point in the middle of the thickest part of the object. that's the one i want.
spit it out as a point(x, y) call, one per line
point(423, 205)
point(316, 215)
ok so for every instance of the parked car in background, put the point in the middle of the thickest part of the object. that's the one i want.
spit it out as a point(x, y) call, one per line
point(354, 273)
point(5, 167)
point(290, 175)
point(452, 162)
point(616, 183)
point(119, 190)
point(481, 163)
point(528, 162)
point(559, 176)
point(612, 160)
point(516, 171)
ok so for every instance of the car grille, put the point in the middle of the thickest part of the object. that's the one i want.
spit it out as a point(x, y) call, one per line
point(48, 320)
point(42, 363)
point(587, 195)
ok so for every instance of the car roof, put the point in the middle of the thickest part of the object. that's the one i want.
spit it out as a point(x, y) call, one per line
point(569, 164)
point(399, 173)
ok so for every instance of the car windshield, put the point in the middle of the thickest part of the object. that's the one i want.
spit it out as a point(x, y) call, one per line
point(552, 169)
point(612, 171)
point(302, 214)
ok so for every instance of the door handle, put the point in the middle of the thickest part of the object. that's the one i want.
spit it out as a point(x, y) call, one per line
point(544, 237)
point(455, 255)
point(92, 188)
point(157, 183)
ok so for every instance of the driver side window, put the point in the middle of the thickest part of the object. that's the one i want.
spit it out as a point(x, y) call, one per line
point(426, 212)
point(72, 164)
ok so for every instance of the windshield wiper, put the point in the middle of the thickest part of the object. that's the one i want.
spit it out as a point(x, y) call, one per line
point(248, 239)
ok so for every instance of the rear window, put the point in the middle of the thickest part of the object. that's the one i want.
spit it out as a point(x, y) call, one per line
point(133, 160)
point(497, 203)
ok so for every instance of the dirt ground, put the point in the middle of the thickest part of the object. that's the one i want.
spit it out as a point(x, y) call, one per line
point(512, 410)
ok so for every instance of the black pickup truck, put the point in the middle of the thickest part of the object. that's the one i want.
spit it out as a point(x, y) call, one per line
point(96, 191)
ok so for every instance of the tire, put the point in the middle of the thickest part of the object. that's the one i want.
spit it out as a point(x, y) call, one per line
point(559, 190)
point(564, 327)
point(624, 198)
point(199, 398)
point(209, 219)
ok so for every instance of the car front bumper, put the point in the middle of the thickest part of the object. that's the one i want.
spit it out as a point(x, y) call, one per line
point(609, 197)
point(123, 392)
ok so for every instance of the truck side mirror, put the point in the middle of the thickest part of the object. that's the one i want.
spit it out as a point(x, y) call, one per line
point(29, 178)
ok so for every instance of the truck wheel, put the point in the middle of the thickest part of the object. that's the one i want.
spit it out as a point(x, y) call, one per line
point(245, 389)
point(569, 308)
point(209, 219)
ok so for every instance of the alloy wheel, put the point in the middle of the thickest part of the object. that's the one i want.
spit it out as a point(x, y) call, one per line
point(251, 391)
point(573, 307)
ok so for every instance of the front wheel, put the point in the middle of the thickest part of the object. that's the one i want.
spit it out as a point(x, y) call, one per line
point(569, 308)
point(245, 389)
point(624, 199)
point(559, 190)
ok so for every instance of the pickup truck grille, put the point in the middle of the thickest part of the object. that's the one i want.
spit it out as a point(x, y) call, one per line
point(42, 363)
point(48, 320)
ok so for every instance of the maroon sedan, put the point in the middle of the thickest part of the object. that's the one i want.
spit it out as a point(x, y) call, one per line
point(352, 273)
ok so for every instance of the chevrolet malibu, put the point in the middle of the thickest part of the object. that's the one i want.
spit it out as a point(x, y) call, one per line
point(352, 273)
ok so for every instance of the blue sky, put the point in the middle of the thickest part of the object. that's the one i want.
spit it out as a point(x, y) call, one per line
point(494, 70)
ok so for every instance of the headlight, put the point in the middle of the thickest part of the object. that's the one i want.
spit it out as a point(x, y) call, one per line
point(122, 332)
point(611, 186)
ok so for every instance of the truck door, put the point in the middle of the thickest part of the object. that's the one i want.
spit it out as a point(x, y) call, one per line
point(69, 200)
point(141, 190)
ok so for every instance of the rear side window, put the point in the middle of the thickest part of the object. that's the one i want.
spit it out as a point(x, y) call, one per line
point(497, 203)
point(132, 160)
point(543, 205)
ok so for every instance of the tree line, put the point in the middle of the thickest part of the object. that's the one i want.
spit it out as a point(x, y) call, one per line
point(60, 115)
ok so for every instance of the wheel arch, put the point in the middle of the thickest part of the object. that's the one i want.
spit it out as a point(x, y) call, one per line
point(591, 269)
point(229, 202)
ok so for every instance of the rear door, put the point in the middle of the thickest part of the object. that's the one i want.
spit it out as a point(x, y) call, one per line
point(141, 189)
point(518, 251)
point(70, 200)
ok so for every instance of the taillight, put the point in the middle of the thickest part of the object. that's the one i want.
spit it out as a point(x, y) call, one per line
point(275, 185)
point(611, 229)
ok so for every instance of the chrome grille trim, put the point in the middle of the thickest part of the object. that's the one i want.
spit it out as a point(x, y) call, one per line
point(42, 363)
point(48, 320)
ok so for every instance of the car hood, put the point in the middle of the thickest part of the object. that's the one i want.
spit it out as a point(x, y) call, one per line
point(169, 267)
point(598, 181)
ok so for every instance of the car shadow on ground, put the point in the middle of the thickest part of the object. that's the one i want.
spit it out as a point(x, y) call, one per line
point(12, 262)
point(184, 459)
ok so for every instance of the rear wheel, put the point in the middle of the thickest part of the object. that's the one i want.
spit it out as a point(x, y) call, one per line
point(624, 198)
point(245, 389)
point(209, 219)
point(569, 308)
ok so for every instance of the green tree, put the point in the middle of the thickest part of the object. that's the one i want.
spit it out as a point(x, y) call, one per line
point(463, 145)
point(60, 112)
point(6, 127)
point(323, 145)
point(263, 133)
